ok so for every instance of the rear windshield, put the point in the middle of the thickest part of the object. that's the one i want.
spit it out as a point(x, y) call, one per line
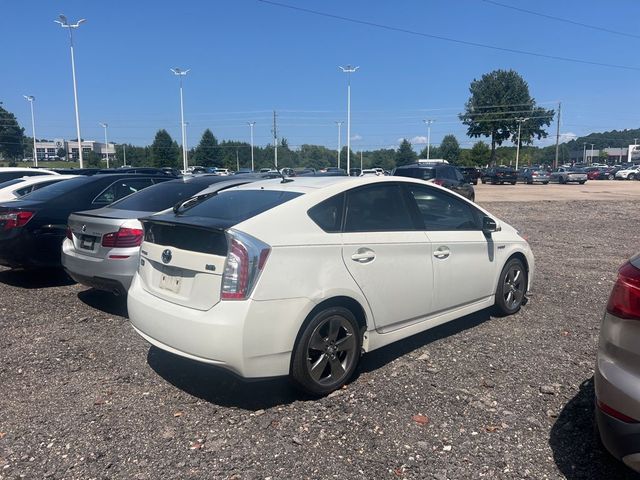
point(421, 173)
point(159, 197)
point(11, 182)
point(57, 189)
point(239, 205)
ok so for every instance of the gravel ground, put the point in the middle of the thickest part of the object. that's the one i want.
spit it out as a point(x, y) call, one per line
point(82, 396)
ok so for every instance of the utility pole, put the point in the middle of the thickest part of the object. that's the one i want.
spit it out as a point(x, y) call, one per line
point(349, 70)
point(339, 140)
point(251, 124)
point(106, 141)
point(181, 74)
point(237, 161)
point(124, 155)
point(360, 161)
point(555, 162)
point(30, 99)
point(584, 152)
point(275, 140)
point(519, 120)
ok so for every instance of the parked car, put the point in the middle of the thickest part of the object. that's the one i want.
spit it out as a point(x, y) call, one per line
point(630, 173)
point(9, 173)
point(567, 175)
point(500, 175)
point(532, 175)
point(32, 228)
point(102, 246)
point(370, 172)
point(471, 174)
point(609, 173)
point(300, 277)
point(19, 187)
point(617, 372)
point(355, 172)
point(441, 174)
point(140, 170)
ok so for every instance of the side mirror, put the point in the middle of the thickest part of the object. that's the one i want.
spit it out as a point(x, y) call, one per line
point(489, 225)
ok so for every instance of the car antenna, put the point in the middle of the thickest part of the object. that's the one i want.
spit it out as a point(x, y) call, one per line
point(284, 179)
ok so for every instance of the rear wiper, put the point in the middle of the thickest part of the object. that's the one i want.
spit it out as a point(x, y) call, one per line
point(182, 207)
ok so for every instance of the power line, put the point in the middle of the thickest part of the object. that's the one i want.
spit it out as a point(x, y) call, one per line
point(559, 19)
point(448, 39)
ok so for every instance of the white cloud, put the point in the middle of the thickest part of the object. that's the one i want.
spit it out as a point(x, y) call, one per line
point(551, 139)
point(356, 137)
point(418, 140)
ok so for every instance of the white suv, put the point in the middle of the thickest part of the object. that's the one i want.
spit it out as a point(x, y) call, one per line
point(300, 276)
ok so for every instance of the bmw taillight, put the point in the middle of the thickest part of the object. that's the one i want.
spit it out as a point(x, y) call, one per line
point(438, 181)
point(246, 259)
point(15, 218)
point(69, 233)
point(624, 301)
point(123, 238)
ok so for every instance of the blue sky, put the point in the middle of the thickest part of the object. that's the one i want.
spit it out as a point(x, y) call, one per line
point(248, 58)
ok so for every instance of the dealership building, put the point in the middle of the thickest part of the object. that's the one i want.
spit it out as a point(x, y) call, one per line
point(48, 150)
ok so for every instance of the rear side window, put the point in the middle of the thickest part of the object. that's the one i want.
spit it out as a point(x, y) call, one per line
point(377, 208)
point(443, 212)
point(328, 214)
point(159, 197)
point(238, 205)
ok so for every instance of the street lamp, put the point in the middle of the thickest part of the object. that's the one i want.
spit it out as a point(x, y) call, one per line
point(349, 70)
point(71, 27)
point(584, 152)
point(186, 141)
point(519, 120)
point(339, 140)
point(428, 124)
point(591, 156)
point(251, 125)
point(181, 73)
point(30, 99)
point(106, 140)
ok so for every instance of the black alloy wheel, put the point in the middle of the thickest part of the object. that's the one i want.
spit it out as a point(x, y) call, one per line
point(327, 351)
point(512, 287)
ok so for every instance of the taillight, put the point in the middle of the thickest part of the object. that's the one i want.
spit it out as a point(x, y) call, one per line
point(438, 181)
point(125, 237)
point(69, 233)
point(246, 259)
point(15, 218)
point(624, 301)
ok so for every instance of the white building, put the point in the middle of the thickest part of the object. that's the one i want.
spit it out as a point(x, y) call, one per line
point(48, 150)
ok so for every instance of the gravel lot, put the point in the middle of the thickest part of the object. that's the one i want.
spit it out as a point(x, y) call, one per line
point(82, 396)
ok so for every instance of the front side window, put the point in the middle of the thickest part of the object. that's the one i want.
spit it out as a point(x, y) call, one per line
point(443, 212)
point(377, 208)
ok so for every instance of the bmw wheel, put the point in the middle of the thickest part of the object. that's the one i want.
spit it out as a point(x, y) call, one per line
point(327, 351)
point(512, 287)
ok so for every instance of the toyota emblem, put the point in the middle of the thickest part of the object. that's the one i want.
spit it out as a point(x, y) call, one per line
point(166, 256)
point(84, 228)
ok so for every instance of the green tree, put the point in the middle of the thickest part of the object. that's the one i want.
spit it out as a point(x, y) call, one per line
point(207, 152)
point(434, 152)
point(497, 100)
point(11, 136)
point(450, 149)
point(164, 151)
point(61, 153)
point(480, 154)
point(405, 154)
point(92, 159)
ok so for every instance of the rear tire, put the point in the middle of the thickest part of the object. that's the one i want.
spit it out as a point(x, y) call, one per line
point(583, 182)
point(512, 287)
point(612, 177)
point(513, 183)
point(545, 183)
point(326, 352)
point(560, 180)
point(632, 176)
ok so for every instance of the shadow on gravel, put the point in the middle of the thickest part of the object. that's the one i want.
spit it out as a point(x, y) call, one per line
point(105, 301)
point(380, 357)
point(43, 278)
point(219, 386)
point(576, 447)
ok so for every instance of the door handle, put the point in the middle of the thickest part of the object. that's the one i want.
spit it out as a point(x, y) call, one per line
point(442, 252)
point(363, 255)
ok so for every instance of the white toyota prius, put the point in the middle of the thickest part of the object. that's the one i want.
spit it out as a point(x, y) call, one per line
point(300, 276)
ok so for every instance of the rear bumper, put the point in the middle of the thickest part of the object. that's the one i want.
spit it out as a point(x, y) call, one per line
point(251, 338)
point(23, 249)
point(109, 274)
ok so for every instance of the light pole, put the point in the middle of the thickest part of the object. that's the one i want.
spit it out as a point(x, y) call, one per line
point(181, 73)
point(584, 153)
point(106, 140)
point(251, 125)
point(186, 146)
point(591, 156)
point(124, 155)
point(30, 99)
point(71, 27)
point(519, 120)
point(349, 70)
point(428, 124)
point(339, 140)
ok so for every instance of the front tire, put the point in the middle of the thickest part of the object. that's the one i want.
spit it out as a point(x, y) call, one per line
point(612, 177)
point(512, 287)
point(632, 176)
point(327, 351)
point(582, 182)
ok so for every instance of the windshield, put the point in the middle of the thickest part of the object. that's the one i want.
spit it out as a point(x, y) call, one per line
point(159, 197)
point(8, 183)
point(57, 189)
point(238, 205)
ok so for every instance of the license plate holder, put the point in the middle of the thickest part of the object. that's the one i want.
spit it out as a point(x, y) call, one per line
point(87, 242)
point(171, 281)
